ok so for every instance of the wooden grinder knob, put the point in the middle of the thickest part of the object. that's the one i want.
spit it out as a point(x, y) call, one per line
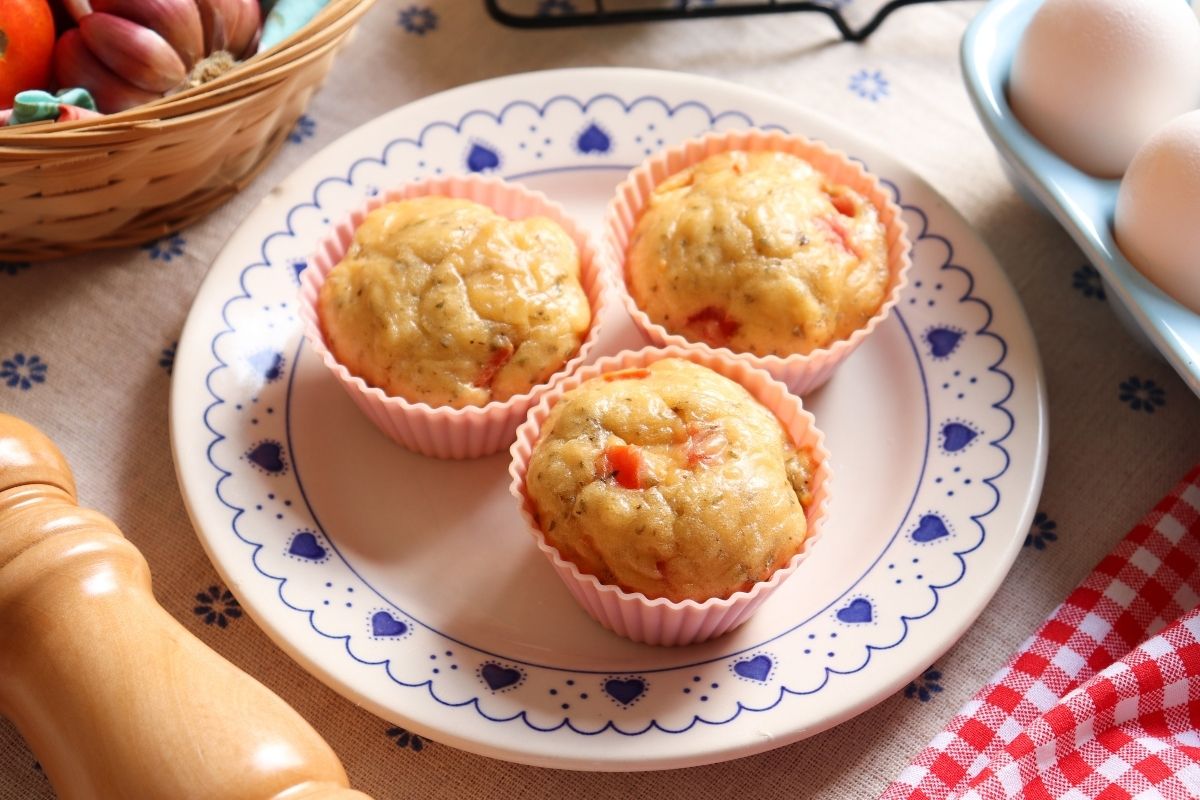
point(116, 699)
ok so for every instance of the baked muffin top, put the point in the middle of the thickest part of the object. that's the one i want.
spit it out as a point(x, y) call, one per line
point(670, 480)
point(758, 252)
point(444, 301)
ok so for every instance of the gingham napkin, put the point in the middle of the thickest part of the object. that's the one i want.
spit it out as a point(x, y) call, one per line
point(1104, 700)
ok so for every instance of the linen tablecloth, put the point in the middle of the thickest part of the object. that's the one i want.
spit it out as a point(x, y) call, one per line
point(86, 349)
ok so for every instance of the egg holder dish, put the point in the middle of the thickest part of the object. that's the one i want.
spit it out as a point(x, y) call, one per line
point(1082, 204)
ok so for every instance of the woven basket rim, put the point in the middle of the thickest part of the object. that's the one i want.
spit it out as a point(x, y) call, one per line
point(248, 77)
point(57, 138)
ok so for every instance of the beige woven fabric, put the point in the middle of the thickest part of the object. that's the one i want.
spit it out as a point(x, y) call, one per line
point(101, 322)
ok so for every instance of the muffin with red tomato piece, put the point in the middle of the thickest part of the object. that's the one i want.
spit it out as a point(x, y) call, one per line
point(670, 480)
point(444, 301)
point(446, 307)
point(774, 247)
point(760, 253)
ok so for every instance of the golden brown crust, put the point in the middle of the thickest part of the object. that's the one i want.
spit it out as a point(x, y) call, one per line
point(760, 253)
point(444, 301)
point(672, 481)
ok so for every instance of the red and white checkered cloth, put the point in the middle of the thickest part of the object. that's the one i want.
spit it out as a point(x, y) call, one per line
point(1103, 701)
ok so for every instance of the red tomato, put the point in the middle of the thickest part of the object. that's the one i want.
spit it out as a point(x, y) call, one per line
point(26, 44)
point(627, 465)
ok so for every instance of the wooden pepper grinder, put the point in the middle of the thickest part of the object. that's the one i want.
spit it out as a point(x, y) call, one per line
point(116, 699)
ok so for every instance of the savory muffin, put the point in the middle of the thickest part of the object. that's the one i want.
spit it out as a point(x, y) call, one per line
point(444, 301)
point(669, 480)
point(758, 252)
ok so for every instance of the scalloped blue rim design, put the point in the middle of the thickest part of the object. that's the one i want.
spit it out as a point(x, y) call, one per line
point(670, 110)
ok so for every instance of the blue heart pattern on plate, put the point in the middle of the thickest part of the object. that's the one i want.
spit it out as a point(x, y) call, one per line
point(384, 624)
point(268, 456)
point(268, 363)
point(956, 436)
point(943, 341)
point(930, 528)
point(859, 610)
point(755, 669)
point(498, 677)
point(305, 545)
point(593, 140)
point(482, 158)
point(624, 691)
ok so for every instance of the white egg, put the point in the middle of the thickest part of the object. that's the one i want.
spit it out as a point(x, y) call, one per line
point(1157, 222)
point(1092, 79)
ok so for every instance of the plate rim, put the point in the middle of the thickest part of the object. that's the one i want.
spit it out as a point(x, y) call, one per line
point(694, 85)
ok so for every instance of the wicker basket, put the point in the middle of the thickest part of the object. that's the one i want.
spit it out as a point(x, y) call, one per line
point(126, 178)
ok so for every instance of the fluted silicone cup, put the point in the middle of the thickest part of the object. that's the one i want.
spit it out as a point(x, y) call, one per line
point(442, 431)
point(659, 621)
point(802, 373)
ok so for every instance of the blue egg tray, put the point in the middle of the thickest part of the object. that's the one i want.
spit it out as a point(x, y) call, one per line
point(1082, 204)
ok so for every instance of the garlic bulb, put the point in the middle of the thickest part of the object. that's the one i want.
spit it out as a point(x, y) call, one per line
point(127, 52)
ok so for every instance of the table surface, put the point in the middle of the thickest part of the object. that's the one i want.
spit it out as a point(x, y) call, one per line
point(102, 328)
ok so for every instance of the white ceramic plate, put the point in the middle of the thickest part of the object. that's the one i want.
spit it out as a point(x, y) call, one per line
point(408, 584)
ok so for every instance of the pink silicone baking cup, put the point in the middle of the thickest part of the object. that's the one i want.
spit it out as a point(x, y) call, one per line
point(802, 373)
point(442, 431)
point(660, 621)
